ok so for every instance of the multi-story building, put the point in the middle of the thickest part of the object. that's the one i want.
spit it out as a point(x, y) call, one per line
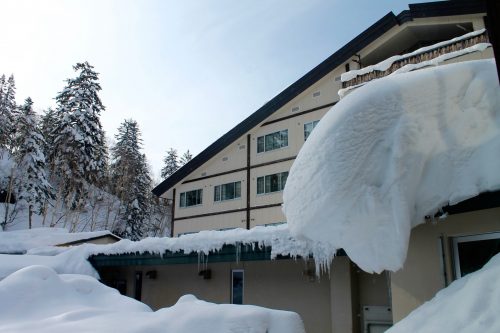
point(237, 181)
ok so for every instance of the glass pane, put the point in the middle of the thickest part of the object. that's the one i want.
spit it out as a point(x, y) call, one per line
point(269, 142)
point(275, 183)
point(260, 144)
point(260, 185)
point(183, 200)
point(268, 184)
point(237, 287)
point(307, 130)
point(237, 190)
point(284, 176)
point(217, 193)
point(228, 191)
point(284, 138)
point(276, 140)
point(199, 197)
point(474, 254)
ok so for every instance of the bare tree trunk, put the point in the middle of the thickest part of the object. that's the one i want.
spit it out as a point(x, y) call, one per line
point(30, 215)
point(7, 199)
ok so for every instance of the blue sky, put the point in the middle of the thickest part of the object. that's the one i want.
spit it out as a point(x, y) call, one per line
point(187, 71)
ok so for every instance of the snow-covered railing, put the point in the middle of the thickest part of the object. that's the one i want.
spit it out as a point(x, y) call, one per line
point(392, 64)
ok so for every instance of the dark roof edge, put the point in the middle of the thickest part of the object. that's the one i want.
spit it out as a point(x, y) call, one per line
point(440, 8)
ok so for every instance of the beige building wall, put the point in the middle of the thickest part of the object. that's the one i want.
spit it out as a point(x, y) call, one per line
point(327, 304)
point(425, 272)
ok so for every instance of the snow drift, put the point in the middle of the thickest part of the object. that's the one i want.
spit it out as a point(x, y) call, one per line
point(392, 152)
point(36, 299)
point(469, 304)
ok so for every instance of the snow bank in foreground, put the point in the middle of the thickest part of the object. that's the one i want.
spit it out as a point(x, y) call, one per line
point(392, 152)
point(469, 304)
point(36, 299)
point(65, 263)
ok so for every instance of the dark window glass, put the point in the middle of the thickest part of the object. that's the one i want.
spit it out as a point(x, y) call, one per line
point(474, 254)
point(191, 198)
point(237, 287)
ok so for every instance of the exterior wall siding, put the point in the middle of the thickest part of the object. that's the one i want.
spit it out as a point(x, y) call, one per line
point(423, 274)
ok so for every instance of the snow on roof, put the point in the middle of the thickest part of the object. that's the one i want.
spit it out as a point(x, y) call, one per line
point(36, 299)
point(469, 304)
point(20, 241)
point(392, 152)
point(385, 64)
point(277, 237)
point(480, 47)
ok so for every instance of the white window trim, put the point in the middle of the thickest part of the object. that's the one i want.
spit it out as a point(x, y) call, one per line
point(469, 238)
point(233, 199)
point(198, 205)
point(268, 193)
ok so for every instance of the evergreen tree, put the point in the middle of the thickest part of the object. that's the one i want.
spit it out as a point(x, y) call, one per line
point(131, 180)
point(7, 109)
point(48, 124)
point(186, 157)
point(171, 163)
point(32, 184)
point(79, 154)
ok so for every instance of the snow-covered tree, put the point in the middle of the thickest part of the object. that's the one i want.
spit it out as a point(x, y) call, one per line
point(7, 108)
point(47, 126)
point(32, 185)
point(171, 163)
point(131, 180)
point(79, 154)
point(186, 157)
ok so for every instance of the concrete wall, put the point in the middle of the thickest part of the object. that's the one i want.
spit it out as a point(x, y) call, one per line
point(424, 272)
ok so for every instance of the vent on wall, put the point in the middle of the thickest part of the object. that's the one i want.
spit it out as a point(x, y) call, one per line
point(317, 93)
point(242, 147)
point(224, 159)
point(337, 78)
point(295, 109)
point(203, 174)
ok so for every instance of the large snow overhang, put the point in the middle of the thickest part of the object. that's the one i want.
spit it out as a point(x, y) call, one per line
point(392, 152)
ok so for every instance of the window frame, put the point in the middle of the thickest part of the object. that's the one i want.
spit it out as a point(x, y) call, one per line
point(281, 183)
point(184, 194)
point(464, 239)
point(219, 187)
point(314, 123)
point(275, 137)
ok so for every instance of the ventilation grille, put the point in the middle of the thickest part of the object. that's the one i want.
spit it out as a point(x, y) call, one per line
point(295, 109)
point(224, 159)
point(242, 147)
point(317, 93)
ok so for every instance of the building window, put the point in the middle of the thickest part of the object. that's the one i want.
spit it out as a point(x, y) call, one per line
point(237, 286)
point(272, 141)
point(271, 183)
point(472, 252)
point(227, 191)
point(191, 198)
point(308, 127)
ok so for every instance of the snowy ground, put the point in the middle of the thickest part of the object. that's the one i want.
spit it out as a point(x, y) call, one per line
point(392, 152)
point(37, 299)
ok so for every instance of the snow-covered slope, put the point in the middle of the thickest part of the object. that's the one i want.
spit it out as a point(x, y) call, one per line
point(36, 299)
point(469, 304)
point(392, 152)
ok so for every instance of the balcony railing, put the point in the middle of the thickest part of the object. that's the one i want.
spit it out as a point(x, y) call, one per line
point(419, 56)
